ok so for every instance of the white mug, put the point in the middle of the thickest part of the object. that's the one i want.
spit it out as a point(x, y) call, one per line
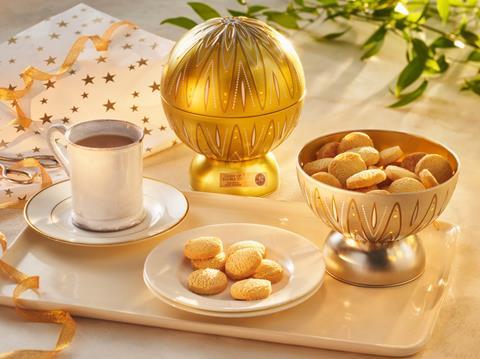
point(107, 193)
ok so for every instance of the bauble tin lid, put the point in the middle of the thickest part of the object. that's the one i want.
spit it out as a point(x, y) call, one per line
point(233, 67)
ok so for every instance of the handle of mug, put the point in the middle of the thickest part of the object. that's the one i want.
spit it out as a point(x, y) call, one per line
point(59, 150)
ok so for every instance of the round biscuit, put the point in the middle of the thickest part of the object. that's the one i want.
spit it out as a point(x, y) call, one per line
point(247, 244)
point(369, 155)
point(207, 281)
point(438, 166)
point(242, 263)
point(217, 262)
point(410, 161)
point(327, 178)
point(396, 172)
point(354, 139)
point(251, 289)
point(269, 270)
point(202, 247)
point(345, 165)
point(406, 184)
point(366, 178)
point(320, 165)
point(427, 178)
point(390, 155)
point(328, 150)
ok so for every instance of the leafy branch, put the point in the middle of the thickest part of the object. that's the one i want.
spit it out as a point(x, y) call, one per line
point(449, 24)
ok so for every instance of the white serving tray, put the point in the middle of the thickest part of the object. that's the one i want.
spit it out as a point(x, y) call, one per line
point(107, 283)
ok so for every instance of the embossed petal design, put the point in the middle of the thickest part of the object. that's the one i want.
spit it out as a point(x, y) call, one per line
point(376, 217)
point(233, 88)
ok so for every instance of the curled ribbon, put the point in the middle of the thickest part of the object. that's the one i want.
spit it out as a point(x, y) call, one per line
point(28, 163)
point(30, 74)
point(24, 283)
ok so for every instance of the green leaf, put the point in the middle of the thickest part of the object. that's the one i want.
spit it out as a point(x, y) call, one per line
point(420, 49)
point(374, 43)
point(473, 85)
point(255, 9)
point(203, 10)
point(334, 35)
point(181, 21)
point(284, 19)
point(470, 37)
point(443, 8)
point(409, 74)
point(442, 42)
point(242, 2)
point(474, 56)
point(411, 96)
point(237, 13)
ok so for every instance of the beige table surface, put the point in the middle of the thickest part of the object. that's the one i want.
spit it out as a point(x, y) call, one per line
point(343, 93)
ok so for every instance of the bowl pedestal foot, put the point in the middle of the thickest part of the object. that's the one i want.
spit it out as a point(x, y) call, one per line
point(374, 265)
point(256, 177)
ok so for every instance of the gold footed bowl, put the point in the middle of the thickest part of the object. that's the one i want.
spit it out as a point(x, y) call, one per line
point(374, 239)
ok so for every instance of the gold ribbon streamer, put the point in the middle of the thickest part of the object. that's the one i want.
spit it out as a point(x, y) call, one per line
point(30, 74)
point(24, 283)
point(28, 162)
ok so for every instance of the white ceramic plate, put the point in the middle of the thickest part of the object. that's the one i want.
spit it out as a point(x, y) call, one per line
point(49, 213)
point(247, 314)
point(166, 270)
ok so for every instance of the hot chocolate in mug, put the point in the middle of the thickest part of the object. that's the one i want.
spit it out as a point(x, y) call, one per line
point(103, 159)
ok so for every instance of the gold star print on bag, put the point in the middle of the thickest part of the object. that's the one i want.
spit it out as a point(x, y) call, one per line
point(119, 83)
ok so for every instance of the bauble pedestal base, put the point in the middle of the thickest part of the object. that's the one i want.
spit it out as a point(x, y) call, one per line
point(257, 177)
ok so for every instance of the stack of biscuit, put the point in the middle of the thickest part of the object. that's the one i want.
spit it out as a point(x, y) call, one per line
point(243, 262)
point(355, 164)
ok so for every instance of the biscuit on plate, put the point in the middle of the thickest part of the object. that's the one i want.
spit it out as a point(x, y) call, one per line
point(345, 165)
point(247, 244)
point(217, 262)
point(207, 281)
point(269, 270)
point(251, 289)
point(203, 247)
point(242, 263)
point(354, 139)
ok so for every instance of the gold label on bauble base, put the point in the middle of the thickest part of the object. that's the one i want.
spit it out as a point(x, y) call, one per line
point(241, 179)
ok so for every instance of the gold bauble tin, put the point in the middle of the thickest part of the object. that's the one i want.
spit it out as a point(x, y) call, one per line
point(232, 90)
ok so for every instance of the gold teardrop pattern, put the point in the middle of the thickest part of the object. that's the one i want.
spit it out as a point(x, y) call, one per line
point(380, 221)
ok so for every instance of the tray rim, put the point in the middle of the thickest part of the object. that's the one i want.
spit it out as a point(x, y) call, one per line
point(253, 333)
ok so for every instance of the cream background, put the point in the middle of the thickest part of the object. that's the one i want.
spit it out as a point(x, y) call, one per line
point(343, 93)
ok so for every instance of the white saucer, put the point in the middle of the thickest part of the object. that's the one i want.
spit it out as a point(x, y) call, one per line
point(49, 213)
point(248, 314)
point(166, 270)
